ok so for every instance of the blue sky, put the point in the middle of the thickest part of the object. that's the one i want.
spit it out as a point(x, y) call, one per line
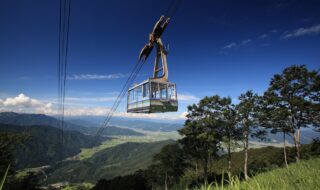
point(216, 47)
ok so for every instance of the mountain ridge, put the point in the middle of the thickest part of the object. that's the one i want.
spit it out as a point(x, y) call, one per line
point(42, 119)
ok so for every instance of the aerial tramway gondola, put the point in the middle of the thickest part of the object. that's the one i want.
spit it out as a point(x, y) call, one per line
point(156, 94)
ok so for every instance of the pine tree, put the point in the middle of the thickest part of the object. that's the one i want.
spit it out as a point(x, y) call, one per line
point(248, 113)
point(201, 140)
point(296, 92)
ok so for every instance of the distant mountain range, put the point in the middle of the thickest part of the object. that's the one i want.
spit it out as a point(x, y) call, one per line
point(307, 136)
point(108, 163)
point(82, 126)
point(44, 146)
point(143, 124)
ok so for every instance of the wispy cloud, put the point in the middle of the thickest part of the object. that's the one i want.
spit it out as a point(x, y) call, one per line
point(234, 45)
point(245, 42)
point(188, 98)
point(25, 104)
point(302, 32)
point(96, 76)
point(263, 36)
point(231, 45)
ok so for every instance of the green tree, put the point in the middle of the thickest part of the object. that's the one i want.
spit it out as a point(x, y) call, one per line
point(275, 117)
point(224, 113)
point(201, 140)
point(248, 113)
point(8, 144)
point(169, 164)
point(296, 91)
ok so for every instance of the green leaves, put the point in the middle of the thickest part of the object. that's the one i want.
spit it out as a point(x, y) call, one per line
point(296, 91)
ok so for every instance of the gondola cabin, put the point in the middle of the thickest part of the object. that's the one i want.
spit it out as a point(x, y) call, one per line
point(156, 94)
point(152, 96)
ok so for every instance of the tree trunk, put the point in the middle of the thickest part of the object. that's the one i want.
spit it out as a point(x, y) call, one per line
point(165, 182)
point(205, 170)
point(246, 145)
point(296, 138)
point(284, 149)
point(197, 168)
point(298, 144)
point(229, 157)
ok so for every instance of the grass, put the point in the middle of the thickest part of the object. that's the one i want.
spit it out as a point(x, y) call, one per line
point(300, 176)
point(4, 177)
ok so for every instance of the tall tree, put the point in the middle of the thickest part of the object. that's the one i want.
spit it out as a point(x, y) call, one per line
point(171, 163)
point(224, 113)
point(275, 118)
point(201, 139)
point(296, 91)
point(248, 111)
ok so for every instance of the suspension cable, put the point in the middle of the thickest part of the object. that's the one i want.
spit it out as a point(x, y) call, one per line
point(121, 95)
point(64, 25)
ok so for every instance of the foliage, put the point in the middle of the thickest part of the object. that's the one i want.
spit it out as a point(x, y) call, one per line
point(4, 177)
point(201, 133)
point(225, 114)
point(302, 175)
point(260, 160)
point(294, 95)
point(44, 146)
point(136, 181)
point(29, 182)
point(120, 160)
point(168, 166)
point(8, 143)
point(248, 116)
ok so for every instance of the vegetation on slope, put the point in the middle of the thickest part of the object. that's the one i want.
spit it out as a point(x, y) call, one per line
point(301, 175)
point(111, 162)
point(43, 146)
point(156, 175)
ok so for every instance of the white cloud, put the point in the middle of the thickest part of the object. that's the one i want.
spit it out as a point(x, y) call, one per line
point(231, 45)
point(263, 36)
point(187, 97)
point(25, 104)
point(245, 42)
point(21, 100)
point(302, 32)
point(96, 76)
point(235, 45)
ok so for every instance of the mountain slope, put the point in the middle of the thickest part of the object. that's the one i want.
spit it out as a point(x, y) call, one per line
point(302, 175)
point(44, 144)
point(119, 160)
point(41, 119)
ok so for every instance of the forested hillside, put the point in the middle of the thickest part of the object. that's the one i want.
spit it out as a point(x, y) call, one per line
point(119, 160)
point(43, 144)
point(261, 160)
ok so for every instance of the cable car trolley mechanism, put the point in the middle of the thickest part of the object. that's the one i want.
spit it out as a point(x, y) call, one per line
point(156, 94)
